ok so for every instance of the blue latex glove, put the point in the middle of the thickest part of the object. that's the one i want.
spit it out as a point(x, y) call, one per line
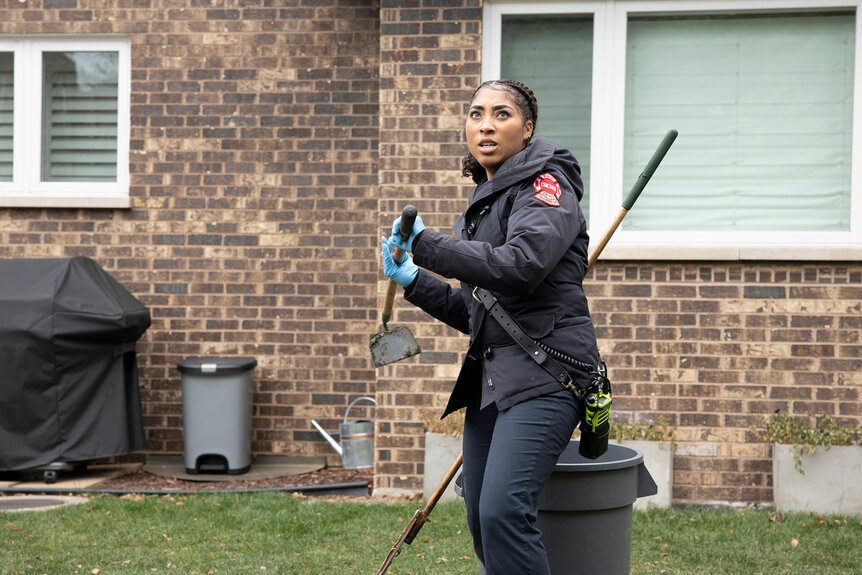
point(404, 273)
point(398, 240)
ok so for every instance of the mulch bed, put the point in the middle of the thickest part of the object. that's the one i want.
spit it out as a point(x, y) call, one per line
point(144, 481)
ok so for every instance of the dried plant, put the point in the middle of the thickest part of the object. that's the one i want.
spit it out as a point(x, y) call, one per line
point(659, 430)
point(452, 425)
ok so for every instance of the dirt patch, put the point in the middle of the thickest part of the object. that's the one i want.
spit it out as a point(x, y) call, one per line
point(144, 481)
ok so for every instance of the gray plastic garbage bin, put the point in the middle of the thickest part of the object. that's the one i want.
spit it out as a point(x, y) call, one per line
point(585, 510)
point(217, 413)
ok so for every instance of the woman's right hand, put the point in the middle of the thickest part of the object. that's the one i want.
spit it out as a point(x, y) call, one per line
point(405, 272)
point(397, 240)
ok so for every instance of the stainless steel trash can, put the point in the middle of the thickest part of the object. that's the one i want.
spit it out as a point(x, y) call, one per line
point(217, 414)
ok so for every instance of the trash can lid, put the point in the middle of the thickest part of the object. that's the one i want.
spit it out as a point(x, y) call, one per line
point(616, 457)
point(216, 365)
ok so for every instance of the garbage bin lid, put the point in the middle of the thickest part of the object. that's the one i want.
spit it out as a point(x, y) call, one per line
point(616, 457)
point(216, 365)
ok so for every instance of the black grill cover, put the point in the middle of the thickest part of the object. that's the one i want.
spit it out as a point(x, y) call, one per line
point(68, 370)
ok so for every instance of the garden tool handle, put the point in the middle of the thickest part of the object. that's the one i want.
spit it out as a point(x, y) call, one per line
point(649, 169)
point(408, 217)
point(634, 193)
point(420, 516)
point(435, 497)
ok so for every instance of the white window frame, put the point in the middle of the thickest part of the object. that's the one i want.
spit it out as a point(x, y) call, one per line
point(26, 188)
point(607, 134)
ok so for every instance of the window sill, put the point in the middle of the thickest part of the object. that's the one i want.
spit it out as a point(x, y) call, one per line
point(107, 202)
point(787, 253)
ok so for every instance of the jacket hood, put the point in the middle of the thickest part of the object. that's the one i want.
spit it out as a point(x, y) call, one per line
point(541, 155)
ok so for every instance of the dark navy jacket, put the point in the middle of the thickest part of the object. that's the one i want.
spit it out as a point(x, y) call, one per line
point(524, 238)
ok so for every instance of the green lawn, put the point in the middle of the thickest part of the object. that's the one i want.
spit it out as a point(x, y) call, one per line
point(278, 533)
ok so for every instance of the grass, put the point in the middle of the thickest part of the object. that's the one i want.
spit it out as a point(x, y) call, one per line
point(235, 533)
point(745, 542)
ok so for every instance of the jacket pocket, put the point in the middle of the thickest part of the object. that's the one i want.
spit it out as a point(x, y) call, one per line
point(575, 338)
point(538, 326)
point(508, 370)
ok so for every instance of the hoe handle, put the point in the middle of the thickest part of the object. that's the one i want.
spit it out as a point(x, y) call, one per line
point(408, 216)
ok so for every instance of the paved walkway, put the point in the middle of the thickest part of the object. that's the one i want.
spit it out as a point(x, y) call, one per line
point(94, 475)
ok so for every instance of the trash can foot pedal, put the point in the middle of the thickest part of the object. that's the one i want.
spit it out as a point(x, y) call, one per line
point(210, 463)
point(215, 464)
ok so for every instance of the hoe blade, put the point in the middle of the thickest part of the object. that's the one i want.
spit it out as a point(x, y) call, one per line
point(393, 345)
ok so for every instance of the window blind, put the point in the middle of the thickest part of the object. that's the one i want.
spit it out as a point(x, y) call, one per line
point(79, 116)
point(765, 106)
point(6, 109)
point(553, 55)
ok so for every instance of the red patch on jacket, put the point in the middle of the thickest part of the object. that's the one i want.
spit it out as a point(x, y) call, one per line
point(547, 190)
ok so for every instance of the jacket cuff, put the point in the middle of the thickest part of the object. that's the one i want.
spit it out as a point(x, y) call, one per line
point(409, 289)
point(416, 240)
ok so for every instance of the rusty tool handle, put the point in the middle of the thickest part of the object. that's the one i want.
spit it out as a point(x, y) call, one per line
point(408, 217)
point(418, 520)
point(435, 497)
point(396, 548)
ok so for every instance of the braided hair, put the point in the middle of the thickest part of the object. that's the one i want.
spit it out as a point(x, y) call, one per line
point(527, 104)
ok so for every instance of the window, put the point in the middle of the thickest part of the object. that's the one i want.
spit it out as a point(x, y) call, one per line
point(552, 55)
point(762, 93)
point(64, 122)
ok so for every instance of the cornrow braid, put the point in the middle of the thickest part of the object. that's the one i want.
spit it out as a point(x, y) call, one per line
point(526, 102)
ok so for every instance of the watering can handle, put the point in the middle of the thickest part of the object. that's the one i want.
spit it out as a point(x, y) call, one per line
point(352, 403)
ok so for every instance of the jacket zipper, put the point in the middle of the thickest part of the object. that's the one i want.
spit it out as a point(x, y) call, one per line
point(471, 228)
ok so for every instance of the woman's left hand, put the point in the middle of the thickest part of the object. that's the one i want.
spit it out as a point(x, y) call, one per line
point(397, 240)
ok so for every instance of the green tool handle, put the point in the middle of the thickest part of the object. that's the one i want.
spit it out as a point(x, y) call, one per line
point(649, 169)
point(633, 195)
point(408, 217)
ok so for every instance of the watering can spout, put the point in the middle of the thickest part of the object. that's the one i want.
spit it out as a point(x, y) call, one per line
point(328, 438)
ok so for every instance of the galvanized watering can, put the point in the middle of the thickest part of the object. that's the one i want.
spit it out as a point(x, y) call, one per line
point(357, 439)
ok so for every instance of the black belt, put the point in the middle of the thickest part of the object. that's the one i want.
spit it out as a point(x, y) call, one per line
point(535, 350)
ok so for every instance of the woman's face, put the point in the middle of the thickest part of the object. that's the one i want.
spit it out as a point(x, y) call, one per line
point(495, 128)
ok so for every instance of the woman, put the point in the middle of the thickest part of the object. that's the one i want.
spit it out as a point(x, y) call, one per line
point(524, 238)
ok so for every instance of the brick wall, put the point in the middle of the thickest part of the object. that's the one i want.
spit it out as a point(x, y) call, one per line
point(254, 144)
point(429, 67)
point(272, 144)
point(715, 348)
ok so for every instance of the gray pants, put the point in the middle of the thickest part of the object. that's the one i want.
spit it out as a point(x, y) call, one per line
point(508, 457)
